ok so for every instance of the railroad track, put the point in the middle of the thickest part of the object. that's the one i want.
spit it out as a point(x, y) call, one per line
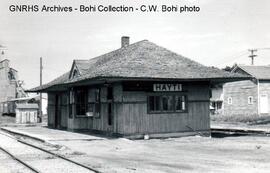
point(19, 160)
point(43, 150)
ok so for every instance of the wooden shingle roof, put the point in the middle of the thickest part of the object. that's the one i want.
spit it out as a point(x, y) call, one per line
point(145, 60)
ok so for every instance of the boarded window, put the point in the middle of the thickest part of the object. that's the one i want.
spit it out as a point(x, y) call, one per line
point(166, 103)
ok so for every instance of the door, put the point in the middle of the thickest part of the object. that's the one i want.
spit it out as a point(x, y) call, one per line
point(110, 109)
point(263, 103)
point(109, 117)
point(57, 111)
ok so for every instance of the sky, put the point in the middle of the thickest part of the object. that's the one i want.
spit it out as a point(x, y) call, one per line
point(220, 34)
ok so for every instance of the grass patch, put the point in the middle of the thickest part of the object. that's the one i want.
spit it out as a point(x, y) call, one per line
point(249, 118)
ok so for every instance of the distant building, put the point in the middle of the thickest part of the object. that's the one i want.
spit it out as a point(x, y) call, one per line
point(248, 96)
point(13, 99)
point(8, 80)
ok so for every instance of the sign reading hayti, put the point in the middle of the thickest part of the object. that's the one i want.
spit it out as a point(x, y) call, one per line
point(167, 87)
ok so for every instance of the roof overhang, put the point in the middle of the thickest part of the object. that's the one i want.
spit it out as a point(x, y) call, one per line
point(103, 80)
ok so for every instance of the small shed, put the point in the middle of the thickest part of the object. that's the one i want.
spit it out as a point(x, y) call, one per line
point(27, 113)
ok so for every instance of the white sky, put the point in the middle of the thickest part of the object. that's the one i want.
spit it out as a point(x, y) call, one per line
point(218, 35)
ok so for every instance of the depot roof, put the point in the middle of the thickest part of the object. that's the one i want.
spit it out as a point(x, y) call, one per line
point(141, 60)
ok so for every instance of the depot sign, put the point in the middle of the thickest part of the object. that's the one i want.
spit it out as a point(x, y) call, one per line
point(167, 87)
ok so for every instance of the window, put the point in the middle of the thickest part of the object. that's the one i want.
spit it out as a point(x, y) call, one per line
point(81, 98)
point(180, 103)
point(250, 100)
point(166, 103)
point(90, 109)
point(11, 75)
point(154, 103)
point(79, 104)
point(229, 100)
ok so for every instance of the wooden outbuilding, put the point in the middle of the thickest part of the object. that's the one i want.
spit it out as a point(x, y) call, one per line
point(27, 113)
point(139, 89)
point(248, 97)
point(25, 109)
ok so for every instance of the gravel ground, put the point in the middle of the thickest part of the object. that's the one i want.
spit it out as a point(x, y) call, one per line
point(8, 165)
point(40, 160)
point(187, 154)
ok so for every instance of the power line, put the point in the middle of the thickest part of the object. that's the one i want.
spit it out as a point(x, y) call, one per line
point(231, 58)
point(264, 48)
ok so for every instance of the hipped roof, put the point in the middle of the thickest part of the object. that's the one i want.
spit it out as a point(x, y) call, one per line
point(141, 60)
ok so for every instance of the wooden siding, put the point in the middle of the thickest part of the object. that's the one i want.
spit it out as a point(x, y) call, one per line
point(101, 123)
point(239, 92)
point(62, 106)
point(64, 110)
point(51, 109)
point(81, 123)
point(132, 117)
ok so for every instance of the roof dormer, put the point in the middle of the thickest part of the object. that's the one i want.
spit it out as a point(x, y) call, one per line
point(74, 72)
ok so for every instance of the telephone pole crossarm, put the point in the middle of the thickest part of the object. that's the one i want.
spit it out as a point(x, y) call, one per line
point(252, 55)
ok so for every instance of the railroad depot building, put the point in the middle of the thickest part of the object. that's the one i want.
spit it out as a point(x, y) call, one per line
point(139, 89)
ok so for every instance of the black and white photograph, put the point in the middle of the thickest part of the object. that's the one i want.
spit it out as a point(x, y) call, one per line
point(141, 86)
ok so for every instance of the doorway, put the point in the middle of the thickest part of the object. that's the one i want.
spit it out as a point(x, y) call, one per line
point(263, 103)
point(57, 122)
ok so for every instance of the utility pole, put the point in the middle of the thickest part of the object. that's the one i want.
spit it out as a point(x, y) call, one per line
point(40, 99)
point(252, 55)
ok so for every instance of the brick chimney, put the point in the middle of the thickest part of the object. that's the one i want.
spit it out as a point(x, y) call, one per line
point(124, 41)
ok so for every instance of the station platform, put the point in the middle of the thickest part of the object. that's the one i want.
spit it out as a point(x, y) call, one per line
point(44, 134)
